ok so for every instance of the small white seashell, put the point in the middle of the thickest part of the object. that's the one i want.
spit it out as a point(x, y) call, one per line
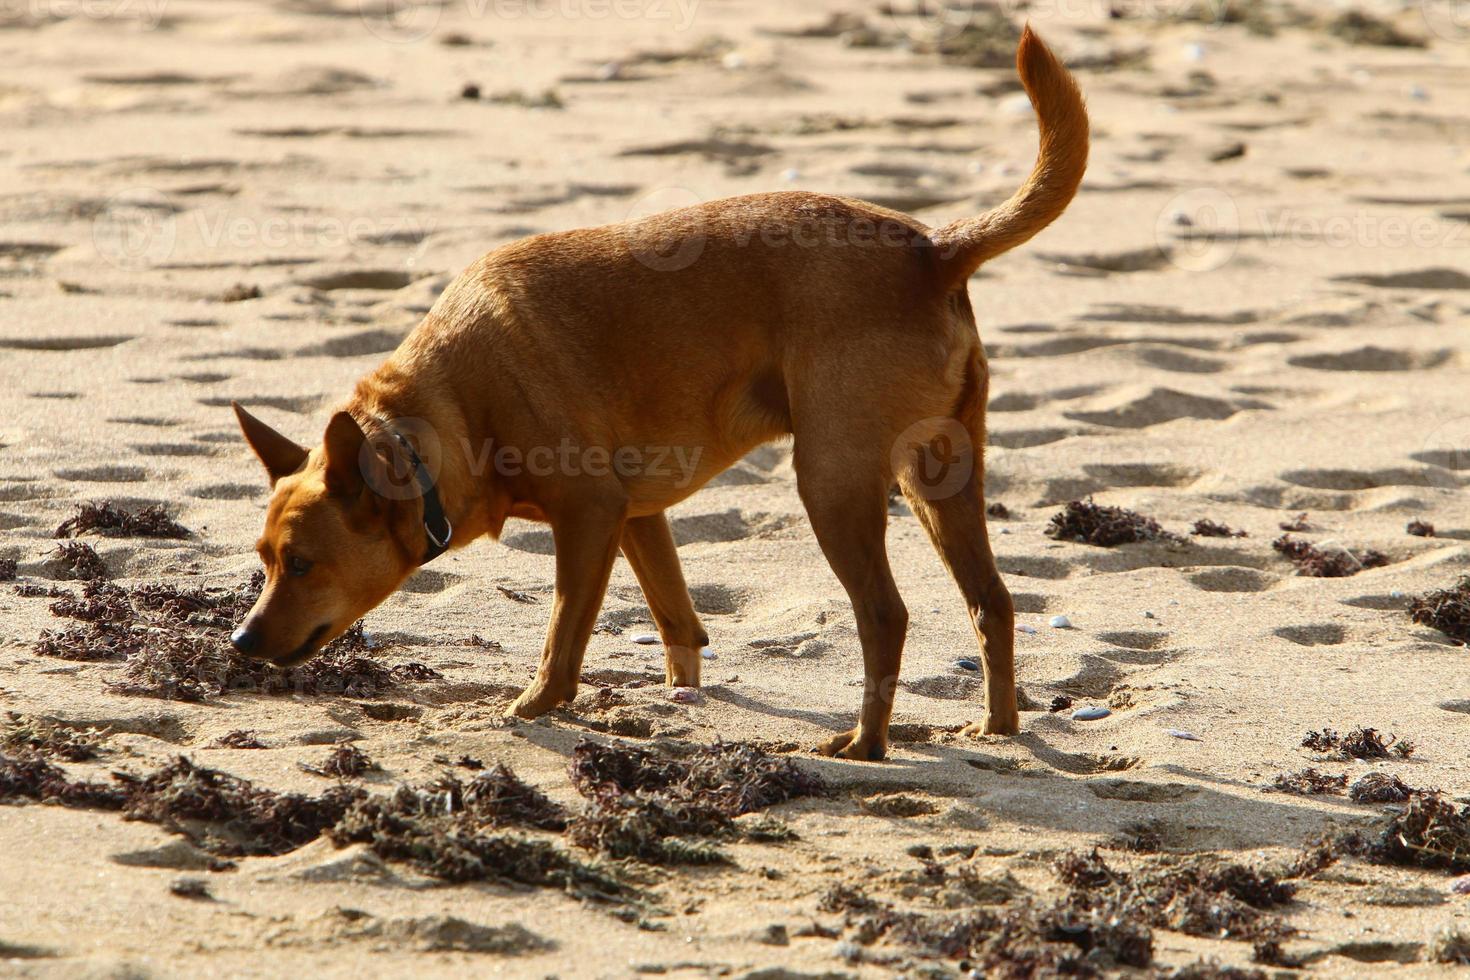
point(1418, 93)
point(1092, 712)
point(790, 174)
point(1396, 594)
point(1181, 733)
point(707, 653)
point(1194, 52)
point(734, 61)
point(1024, 628)
point(609, 71)
point(1060, 623)
point(646, 639)
point(1005, 530)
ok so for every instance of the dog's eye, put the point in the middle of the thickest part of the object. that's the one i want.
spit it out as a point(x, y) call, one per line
point(297, 566)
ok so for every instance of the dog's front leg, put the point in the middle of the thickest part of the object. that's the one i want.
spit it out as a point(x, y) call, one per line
point(648, 544)
point(586, 544)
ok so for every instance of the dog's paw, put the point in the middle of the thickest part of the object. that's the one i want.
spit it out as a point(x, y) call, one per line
point(535, 702)
point(852, 745)
point(1008, 724)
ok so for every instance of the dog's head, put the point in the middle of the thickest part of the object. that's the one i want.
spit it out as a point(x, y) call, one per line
point(333, 547)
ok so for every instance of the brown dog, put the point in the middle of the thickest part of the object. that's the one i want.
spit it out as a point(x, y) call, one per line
point(551, 376)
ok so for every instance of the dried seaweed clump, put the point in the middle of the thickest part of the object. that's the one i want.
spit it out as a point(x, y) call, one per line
point(664, 809)
point(1450, 945)
point(1309, 782)
point(442, 829)
point(79, 561)
point(344, 761)
point(8, 569)
point(1360, 27)
point(1447, 610)
point(988, 39)
point(1201, 898)
point(30, 777)
point(1317, 563)
point(240, 292)
point(176, 644)
point(1429, 831)
point(239, 739)
point(30, 735)
point(1027, 940)
point(1420, 528)
point(1380, 787)
point(500, 796)
point(110, 520)
point(1298, 524)
point(439, 828)
point(227, 815)
point(221, 813)
point(1104, 922)
point(1206, 528)
point(1140, 837)
point(1360, 743)
point(1212, 970)
point(1098, 524)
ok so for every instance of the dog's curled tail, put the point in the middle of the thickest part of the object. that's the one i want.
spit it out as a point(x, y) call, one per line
point(963, 245)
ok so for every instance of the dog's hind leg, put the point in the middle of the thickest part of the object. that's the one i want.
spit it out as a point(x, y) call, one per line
point(648, 544)
point(847, 503)
point(954, 515)
point(586, 545)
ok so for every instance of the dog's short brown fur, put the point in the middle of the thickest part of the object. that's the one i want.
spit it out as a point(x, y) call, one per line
point(705, 331)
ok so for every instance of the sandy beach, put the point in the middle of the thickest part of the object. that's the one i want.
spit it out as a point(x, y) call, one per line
point(1254, 313)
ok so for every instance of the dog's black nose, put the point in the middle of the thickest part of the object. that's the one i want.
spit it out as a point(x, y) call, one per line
point(245, 641)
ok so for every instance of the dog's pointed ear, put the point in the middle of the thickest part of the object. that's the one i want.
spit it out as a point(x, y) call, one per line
point(343, 450)
point(280, 455)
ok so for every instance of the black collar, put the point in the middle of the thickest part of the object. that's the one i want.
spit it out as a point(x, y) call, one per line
point(436, 525)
